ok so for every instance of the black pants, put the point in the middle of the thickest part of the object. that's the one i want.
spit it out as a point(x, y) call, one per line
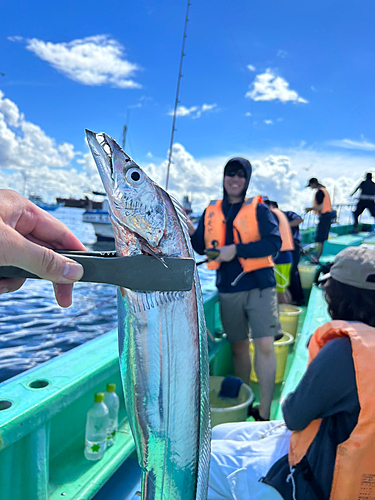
point(295, 287)
point(361, 207)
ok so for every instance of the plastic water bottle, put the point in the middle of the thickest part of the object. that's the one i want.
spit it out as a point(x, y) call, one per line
point(112, 402)
point(96, 429)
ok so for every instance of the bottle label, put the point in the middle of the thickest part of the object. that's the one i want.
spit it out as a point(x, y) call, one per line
point(93, 447)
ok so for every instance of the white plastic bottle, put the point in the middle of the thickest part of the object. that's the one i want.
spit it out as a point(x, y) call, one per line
point(112, 402)
point(96, 429)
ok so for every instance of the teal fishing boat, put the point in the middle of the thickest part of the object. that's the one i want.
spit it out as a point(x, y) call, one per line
point(43, 411)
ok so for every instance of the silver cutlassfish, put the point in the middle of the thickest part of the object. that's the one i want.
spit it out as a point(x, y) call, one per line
point(162, 335)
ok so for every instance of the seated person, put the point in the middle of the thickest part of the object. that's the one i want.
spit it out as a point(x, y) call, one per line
point(329, 425)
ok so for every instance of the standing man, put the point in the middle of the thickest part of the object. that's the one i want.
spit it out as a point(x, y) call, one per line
point(321, 206)
point(366, 199)
point(246, 235)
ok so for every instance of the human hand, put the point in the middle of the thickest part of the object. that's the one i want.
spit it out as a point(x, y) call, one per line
point(190, 226)
point(308, 209)
point(27, 236)
point(227, 253)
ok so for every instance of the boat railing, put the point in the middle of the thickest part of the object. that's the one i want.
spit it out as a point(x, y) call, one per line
point(344, 215)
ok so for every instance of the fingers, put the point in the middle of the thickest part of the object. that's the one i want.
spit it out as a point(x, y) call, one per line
point(15, 250)
point(10, 285)
point(27, 235)
point(63, 294)
point(227, 253)
point(190, 226)
point(35, 224)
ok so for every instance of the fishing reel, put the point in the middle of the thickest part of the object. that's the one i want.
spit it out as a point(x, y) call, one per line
point(212, 253)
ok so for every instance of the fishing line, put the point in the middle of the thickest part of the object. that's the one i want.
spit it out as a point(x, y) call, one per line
point(177, 101)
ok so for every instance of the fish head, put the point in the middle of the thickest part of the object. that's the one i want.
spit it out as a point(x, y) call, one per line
point(134, 200)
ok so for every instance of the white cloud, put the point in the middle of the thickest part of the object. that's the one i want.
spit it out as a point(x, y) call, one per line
point(282, 176)
point(96, 60)
point(9, 110)
point(250, 67)
point(59, 170)
point(282, 53)
point(193, 111)
point(268, 122)
point(15, 38)
point(269, 87)
point(28, 155)
point(187, 176)
point(248, 113)
point(349, 144)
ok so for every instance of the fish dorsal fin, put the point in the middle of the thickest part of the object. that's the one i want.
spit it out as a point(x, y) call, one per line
point(181, 214)
point(179, 208)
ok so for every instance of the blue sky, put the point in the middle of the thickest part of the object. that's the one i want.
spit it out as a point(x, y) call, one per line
point(288, 85)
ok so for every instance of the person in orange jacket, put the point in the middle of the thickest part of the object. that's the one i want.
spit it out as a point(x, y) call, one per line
point(321, 206)
point(284, 259)
point(245, 236)
point(324, 448)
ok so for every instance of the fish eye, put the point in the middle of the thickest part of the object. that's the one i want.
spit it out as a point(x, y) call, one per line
point(134, 176)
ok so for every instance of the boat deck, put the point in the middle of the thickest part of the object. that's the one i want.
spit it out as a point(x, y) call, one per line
point(316, 315)
point(311, 317)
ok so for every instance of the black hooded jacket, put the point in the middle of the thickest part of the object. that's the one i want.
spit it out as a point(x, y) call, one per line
point(269, 244)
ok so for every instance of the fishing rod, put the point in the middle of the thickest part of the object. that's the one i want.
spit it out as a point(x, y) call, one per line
point(177, 101)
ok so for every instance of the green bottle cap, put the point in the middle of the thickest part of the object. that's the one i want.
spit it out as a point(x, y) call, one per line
point(111, 387)
point(99, 397)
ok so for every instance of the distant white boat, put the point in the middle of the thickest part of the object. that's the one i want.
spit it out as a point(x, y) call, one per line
point(99, 218)
point(37, 200)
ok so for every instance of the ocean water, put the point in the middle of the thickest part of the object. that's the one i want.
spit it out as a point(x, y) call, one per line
point(33, 328)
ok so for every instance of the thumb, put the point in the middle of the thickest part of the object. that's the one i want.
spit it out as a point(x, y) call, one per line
point(39, 260)
point(54, 267)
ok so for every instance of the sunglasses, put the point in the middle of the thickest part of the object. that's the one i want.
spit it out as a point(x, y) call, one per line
point(239, 173)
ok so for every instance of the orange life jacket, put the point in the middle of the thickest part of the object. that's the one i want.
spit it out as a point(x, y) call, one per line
point(354, 473)
point(285, 231)
point(245, 230)
point(327, 207)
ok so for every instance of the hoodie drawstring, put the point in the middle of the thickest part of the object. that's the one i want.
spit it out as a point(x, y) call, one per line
point(291, 478)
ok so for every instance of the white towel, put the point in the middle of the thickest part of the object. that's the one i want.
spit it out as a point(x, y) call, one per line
point(242, 453)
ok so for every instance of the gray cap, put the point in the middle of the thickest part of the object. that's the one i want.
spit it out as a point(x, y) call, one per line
point(354, 266)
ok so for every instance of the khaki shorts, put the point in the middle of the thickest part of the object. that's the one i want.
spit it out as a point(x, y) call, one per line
point(255, 309)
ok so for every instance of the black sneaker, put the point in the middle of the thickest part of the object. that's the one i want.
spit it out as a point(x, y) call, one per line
point(254, 412)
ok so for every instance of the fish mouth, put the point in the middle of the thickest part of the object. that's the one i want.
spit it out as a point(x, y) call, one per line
point(102, 153)
point(130, 206)
point(104, 149)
